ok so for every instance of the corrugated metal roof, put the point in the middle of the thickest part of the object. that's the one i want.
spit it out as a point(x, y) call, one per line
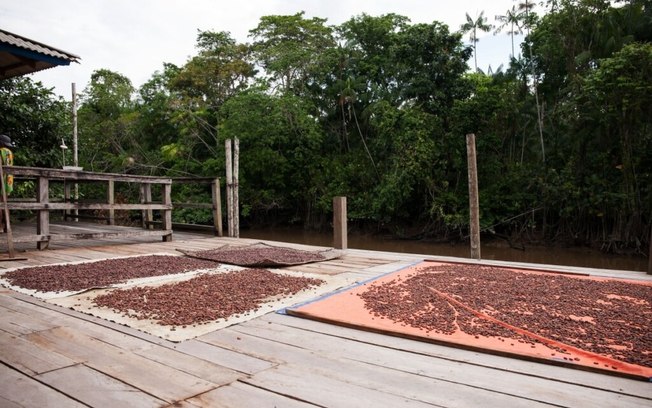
point(20, 55)
point(22, 42)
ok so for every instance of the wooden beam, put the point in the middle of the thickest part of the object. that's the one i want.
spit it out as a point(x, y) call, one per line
point(110, 200)
point(89, 176)
point(474, 207)
point(84, 206)
point(649, 255)
point(43, 217)
point(217, 206)
point(236, 187)
point(146, 198)
point(340, 223)
point(229, 187)
point(167, 214)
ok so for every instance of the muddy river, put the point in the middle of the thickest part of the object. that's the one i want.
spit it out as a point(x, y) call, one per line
point(495, 250)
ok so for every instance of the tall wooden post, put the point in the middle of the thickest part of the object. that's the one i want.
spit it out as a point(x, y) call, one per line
point(474, 206)
point(167, 214)
point(229, 187)
point(217, 207)
point(340, 228)
point(149, 212)
point(43, 217)
point(147, 216)
point(236, 188)
point(75, 146)
point(110, 199)
point(67, 188)
point(649, 255)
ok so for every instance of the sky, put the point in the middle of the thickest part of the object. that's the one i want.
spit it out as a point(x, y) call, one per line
point(135, 37)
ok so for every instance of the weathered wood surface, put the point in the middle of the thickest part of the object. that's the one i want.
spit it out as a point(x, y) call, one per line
point(58, 357)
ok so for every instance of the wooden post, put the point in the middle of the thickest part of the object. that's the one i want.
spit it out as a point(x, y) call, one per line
point(649, 255)
point(75, 155)
point(474, 207)
point(167, 214)
point(229, 187)
point(67, 187)
point(143, 214)
point(43, 218)
point(217, 207)
point(75, 146)
point(236, 194)
point(340, 228)
point(147, 216)
point(110, 199)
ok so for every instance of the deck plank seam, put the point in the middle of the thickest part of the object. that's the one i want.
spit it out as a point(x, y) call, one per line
point(40, 381)
point(460, 361)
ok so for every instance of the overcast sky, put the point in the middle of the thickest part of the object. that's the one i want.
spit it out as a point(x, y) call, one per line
point(135, 37)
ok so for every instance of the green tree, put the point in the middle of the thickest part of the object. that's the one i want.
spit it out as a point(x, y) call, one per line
point(616, 101)
point(105, 119)
point(221, 69)
point(36, 120)
point(289, 48)
point(430, 63)
point(281, 147)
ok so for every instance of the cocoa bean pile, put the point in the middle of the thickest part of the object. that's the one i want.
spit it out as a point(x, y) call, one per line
point(259, 256)
point(205, 298)
point(75, 277)
point(611, 318)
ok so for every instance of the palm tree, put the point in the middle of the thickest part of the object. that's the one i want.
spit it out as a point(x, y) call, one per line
point(512, 18)
point(472, 26)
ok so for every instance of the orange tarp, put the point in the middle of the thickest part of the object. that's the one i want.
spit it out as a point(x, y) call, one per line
point(467, 314)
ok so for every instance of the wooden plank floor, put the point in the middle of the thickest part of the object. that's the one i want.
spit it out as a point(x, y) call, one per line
point(57, 357)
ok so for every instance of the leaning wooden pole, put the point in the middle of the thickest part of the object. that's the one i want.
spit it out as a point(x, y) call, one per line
point(474, 206)
point(236, 188)
point(229, 187)
point(5, 209)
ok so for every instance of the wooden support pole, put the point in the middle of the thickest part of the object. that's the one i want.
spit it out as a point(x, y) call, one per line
point(340, 228)
point(43, 217)
point(75, 145)
point(143, 214)
point(649, 255)
point(229, 187)
point(217, 207)
point(7, 223)
point(110, 199)
point(167, 214)
point(67, 188)
point(474, 206)
point(236, 188)
point(147, 215)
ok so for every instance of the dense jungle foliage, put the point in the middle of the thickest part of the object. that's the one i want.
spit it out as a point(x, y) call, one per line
point(377, 109)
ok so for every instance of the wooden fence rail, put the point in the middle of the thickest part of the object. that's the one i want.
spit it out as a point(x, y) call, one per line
point(43, 204)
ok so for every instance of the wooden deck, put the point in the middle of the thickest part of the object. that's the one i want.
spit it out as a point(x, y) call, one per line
point(55, 357)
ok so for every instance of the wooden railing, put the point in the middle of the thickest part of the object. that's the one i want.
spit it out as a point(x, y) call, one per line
point(215, 205)
point(44, 204)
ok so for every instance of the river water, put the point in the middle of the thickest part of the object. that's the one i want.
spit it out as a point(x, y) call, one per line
point(494, 250)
